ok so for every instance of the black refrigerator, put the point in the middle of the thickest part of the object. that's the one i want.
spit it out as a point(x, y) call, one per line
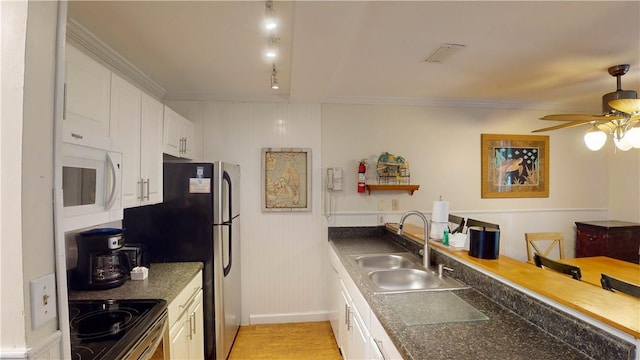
point(199, 220)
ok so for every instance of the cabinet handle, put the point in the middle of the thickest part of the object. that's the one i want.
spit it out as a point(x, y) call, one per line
point(349, 325)
point(64, 102)
point(380, 346)
point(190, 327)
point(346, 314)
point(141, 188)
point(147, 183)
point(193, 322)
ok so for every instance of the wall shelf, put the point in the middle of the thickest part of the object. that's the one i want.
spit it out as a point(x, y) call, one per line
point(409, 188)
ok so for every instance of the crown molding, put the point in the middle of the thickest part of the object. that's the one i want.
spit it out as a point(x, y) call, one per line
point(80, 36)
point(465, 103)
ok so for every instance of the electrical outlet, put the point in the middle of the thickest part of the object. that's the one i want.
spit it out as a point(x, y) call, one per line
point(395, 204)
point(380, 205)
point(43, 300)
point(380, 219)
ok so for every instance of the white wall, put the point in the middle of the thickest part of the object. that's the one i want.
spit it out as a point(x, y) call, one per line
point(282, 260)
point(26, 215)
point(12, 305)
point(37, 159)
point(624, 185)
point(442, 146)
point(282, 254)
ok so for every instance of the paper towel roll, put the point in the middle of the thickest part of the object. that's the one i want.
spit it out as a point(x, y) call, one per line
point(440, 213)
point(437, 230)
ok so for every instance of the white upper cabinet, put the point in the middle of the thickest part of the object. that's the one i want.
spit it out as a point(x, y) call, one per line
point(151, 149)
point(178, 135)
point(87, 98)
point(136, 126)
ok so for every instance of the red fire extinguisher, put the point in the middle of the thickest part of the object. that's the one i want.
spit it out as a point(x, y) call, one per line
point(362, 168)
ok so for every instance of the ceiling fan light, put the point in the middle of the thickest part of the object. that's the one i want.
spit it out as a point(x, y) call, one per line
point(595, 139)
point(622, 144)
point(633, 136)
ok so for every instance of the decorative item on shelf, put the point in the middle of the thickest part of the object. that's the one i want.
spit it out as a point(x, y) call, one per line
point(392, 170)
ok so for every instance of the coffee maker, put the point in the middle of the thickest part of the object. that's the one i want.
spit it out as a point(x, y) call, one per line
point(101, 262)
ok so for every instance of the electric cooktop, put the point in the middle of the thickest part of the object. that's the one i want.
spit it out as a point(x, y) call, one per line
point(108, 329)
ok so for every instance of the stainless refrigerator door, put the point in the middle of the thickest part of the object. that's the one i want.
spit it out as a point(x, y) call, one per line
point(228, 272)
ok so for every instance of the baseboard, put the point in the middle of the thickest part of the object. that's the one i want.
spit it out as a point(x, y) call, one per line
point(289, 318)
point(48, 348)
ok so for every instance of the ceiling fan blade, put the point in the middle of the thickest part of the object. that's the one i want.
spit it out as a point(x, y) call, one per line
point(628, 106)
point(572, 117)
point(565, 125)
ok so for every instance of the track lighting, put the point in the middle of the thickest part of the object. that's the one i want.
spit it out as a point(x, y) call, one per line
point(274, 78)
point(272, 47)
point(270, 17)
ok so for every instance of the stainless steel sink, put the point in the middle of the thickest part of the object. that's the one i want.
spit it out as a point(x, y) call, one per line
point(385, 261)
point(401, 272)
point(404, 279)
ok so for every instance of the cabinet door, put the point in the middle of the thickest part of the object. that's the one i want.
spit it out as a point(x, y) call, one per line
point(344, 317)
point(382, 341)
point(125, 131)
point(591, 243)
point(187, 132)
point(334, 301)
point(359, 339)
point(151, 150)
point(196, 318)
point(179, 336)
point(171, 140)
point(88, 91)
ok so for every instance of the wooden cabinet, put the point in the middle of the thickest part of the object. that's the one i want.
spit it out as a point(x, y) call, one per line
point(615, 239)
point(178, 134)
point(87, 94)
point(186, 322)
point(136, 127)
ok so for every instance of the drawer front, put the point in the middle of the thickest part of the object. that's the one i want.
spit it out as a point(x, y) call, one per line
point(591, 243)
point(179, 304)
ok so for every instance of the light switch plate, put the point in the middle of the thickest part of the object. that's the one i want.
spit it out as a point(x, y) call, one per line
point(43, 300)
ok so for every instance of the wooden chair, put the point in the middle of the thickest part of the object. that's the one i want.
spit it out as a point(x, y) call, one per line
point(611, 284)
point(458, 220)
point(573, 271)
point(552, 239)
point(472, 222)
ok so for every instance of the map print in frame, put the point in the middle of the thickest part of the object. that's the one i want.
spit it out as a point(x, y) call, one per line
point(286, 179)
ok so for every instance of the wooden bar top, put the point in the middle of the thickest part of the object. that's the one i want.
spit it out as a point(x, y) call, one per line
point(592, 267)
point(616, 310)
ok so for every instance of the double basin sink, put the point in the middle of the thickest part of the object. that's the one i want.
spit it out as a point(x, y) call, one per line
point(401, 272)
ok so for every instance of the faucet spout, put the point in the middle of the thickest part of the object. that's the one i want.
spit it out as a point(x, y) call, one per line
point(426, 257)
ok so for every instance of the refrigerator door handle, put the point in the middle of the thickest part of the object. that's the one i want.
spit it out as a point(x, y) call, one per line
point(227, 268)
point(229, 223)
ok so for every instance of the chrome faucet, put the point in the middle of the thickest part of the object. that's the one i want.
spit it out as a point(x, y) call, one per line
point(426, 259)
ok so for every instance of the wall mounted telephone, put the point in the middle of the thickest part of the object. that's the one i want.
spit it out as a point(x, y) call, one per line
point(334, 179)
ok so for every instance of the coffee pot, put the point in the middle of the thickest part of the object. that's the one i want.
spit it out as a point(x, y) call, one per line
point(101, 262)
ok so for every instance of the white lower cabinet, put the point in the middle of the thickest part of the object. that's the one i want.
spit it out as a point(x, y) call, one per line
point(186, 322)
point(358, 332)
point(381, 344)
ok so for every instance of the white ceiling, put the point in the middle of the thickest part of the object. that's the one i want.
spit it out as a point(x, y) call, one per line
point(536, 54)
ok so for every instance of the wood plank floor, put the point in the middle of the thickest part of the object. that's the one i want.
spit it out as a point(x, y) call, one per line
point(293, 341)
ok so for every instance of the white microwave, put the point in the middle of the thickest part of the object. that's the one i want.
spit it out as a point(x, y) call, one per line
point(91, 186)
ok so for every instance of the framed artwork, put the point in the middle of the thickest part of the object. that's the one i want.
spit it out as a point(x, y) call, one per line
point(515, 166)
point(286, 179)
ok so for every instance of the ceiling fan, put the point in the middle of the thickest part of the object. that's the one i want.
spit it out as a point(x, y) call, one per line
point(620, 117)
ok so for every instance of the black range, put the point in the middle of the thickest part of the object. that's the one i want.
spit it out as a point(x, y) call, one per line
point(115, 329)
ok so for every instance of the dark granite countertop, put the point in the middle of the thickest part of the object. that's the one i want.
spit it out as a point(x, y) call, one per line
point(505, 335)
point(165, 281)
